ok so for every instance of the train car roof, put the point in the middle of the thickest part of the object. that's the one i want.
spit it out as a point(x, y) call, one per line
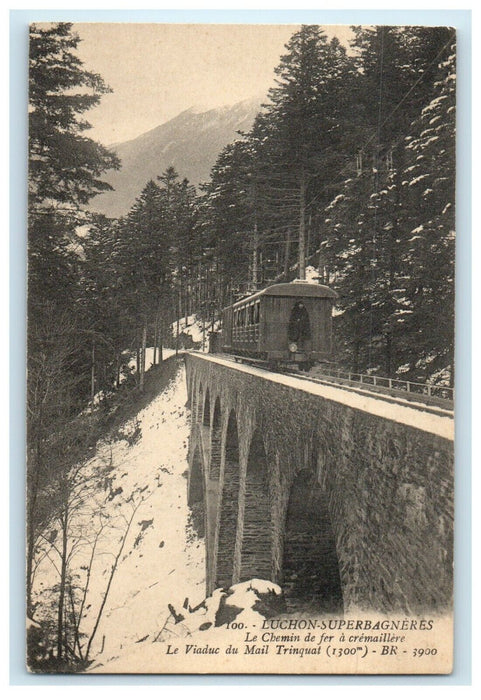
point(291, 289)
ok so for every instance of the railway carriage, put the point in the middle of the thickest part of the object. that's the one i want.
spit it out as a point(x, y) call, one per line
point(284, 323)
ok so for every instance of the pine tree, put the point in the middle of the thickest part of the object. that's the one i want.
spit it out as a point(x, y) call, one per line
point(102, 307)
point(307, 114)
point(64, 165)
point(226, 218)
point(144, 262)
point(369, 222)
point(64, 173)
point(428, 189)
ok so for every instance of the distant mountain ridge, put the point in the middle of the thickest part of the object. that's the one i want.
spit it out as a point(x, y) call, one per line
point(190, 142)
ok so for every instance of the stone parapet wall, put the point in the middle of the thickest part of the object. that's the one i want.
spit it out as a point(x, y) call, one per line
point(387, 486)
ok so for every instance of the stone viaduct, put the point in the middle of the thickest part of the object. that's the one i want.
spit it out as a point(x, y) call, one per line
point(344, 500)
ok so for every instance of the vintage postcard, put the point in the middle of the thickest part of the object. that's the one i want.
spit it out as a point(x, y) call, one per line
point(241, 247)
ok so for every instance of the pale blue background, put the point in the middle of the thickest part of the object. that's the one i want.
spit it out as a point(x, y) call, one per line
point(19, 20)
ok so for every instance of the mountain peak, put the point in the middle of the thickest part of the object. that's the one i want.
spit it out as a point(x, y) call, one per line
point(190, 141)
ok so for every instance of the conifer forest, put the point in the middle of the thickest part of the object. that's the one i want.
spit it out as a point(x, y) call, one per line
point(348, 169)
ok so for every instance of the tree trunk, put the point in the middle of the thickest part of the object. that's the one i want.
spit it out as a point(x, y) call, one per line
point(160, 337)
point(76, 623)
point(255, 253)
point(34, 486)
point(30, 548)
point(142, 357)
point(451, 362)
point(92, 374)
point(357, 347)
point(30, 555)
point(154, 359)
point(287, 253)
point(181, 298)
point(308, 245)
point(302, 228)
point(388, 353)
point(187, 302)
point(321, 267)
point(63, 576)
point(113, 570)
point(177, 329)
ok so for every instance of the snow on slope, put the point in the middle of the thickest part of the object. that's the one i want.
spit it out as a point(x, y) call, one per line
point(247, 603)
point(162, 567)
point(149, 358)
point(194, 327)
point(162, 561)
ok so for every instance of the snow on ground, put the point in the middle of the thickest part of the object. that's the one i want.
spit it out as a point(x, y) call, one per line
point(162, 567)
point(149, 358)
point(132, 365)
point(198, 330)
point(242, 603)
point(162, 560)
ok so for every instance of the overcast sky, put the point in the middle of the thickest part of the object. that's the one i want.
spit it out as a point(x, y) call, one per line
point(158, 70)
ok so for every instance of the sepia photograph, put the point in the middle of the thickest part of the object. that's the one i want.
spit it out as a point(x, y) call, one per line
point(240, 348)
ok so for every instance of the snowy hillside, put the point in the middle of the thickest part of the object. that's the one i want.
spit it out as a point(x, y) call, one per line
point(245, 604)
point(140, 476)
point(198, 331)
point(159, 566)
point(136, 564)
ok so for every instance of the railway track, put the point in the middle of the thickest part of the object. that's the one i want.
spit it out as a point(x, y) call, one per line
point(415, 395)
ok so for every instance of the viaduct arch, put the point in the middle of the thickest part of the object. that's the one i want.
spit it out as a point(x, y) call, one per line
point(345, 507)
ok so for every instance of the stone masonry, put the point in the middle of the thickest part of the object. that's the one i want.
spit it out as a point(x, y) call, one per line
point(350, 507)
